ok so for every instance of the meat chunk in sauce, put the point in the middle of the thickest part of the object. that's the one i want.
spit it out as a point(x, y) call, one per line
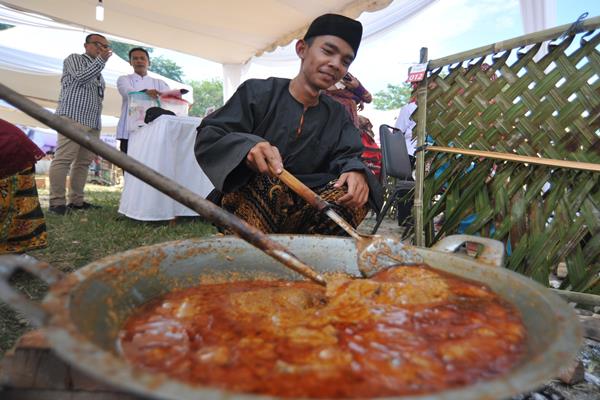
point(408, 330)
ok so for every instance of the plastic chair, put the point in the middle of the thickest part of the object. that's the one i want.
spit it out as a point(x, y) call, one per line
point(395, 163)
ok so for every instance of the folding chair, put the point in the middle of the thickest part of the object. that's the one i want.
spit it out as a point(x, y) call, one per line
point(395, 163)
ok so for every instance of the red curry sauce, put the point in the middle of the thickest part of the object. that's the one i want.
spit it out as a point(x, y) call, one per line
point(408, 330)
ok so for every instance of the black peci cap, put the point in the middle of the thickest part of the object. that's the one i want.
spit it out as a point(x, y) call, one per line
point(337, 25)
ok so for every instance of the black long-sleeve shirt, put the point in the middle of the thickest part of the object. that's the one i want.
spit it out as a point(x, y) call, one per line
point(317, 145)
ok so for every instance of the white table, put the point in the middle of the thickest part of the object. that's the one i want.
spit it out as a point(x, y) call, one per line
point(167, 146)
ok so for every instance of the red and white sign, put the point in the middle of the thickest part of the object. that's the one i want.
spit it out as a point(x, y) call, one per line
point(417, 72)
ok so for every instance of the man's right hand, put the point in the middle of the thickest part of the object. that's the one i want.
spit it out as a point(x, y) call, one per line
point(105, 53)
point(265, 159)
point(152, 93)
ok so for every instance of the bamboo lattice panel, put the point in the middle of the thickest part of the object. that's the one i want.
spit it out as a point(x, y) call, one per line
point(510, 103)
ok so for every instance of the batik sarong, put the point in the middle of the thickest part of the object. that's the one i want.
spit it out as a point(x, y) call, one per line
point(22, 223)
point(269, 205)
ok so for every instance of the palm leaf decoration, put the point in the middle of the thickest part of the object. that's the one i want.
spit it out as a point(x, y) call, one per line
point(511, 103)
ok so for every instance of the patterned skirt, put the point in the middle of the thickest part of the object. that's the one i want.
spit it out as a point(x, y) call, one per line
point(22, 223)
point(269, 205)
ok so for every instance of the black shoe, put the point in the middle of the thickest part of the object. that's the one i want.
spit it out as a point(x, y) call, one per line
point(84, 206)
point(60, 210)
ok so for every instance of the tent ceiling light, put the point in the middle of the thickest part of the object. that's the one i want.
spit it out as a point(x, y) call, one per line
point(99, 11)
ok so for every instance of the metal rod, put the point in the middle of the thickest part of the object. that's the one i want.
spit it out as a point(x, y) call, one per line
point(587, 299)
point(420, 170)
point(338, 219)
point(79, 133)
point(519, 158)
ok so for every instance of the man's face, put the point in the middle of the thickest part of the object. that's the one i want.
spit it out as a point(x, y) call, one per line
point(95, 45)
point(325, 61)
point(140, 62)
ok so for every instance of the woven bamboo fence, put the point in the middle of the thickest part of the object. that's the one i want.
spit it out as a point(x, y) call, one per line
point(532, 131)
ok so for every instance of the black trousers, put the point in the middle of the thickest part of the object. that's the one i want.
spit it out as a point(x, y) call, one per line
point(404, 206)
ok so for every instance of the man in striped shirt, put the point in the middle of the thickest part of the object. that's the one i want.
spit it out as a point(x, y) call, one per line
point(80, 99)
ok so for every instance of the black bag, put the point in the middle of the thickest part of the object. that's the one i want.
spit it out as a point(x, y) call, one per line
point(154, 112)
point(215, 197)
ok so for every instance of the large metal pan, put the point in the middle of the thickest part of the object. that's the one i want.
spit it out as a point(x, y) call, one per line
point(84, 310)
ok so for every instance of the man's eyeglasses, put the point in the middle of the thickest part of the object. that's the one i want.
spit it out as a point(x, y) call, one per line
point(101, 45)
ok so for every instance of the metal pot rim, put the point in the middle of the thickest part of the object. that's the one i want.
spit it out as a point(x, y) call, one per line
point(72, 345)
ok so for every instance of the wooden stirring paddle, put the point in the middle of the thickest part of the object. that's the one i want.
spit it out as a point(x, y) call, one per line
point(374, 251)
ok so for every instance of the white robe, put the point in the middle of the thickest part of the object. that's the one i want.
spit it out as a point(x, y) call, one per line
point(406, 125)
point(134, 83)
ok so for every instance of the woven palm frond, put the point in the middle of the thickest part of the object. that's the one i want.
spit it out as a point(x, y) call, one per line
point(511, 103)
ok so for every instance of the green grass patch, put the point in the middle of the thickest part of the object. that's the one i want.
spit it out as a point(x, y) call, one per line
point(80, 237)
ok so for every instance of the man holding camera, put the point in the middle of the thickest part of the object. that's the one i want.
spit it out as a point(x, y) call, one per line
point(275, 123)
point(350, 93)
point(80, 99)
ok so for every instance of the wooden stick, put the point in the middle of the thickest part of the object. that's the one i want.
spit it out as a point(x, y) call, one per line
point(587, 299)
point(518, 158)
point(317, 202)
point(303, 191)
point(421, 119)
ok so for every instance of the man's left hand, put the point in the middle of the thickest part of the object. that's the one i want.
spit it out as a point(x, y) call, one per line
point(153, 93)
point(351, 84)
point(357, 187)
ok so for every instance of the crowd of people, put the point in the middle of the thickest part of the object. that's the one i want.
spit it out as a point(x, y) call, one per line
point(80, 99)
point(309, 125)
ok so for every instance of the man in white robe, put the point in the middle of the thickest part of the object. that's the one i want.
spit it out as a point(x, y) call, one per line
point(139, 81)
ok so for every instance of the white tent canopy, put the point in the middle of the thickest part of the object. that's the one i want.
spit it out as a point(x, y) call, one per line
point(225, 31)
point(230, 32)
point(34, 67)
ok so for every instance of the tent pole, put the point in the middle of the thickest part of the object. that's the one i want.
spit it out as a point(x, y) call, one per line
point(420, 172)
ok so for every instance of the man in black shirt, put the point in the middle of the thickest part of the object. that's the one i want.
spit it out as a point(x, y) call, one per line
point(275, 123)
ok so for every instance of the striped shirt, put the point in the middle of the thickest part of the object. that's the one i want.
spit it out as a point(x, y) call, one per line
point(82, 89)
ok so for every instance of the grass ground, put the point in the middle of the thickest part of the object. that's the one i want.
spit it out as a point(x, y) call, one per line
point(80, 237)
